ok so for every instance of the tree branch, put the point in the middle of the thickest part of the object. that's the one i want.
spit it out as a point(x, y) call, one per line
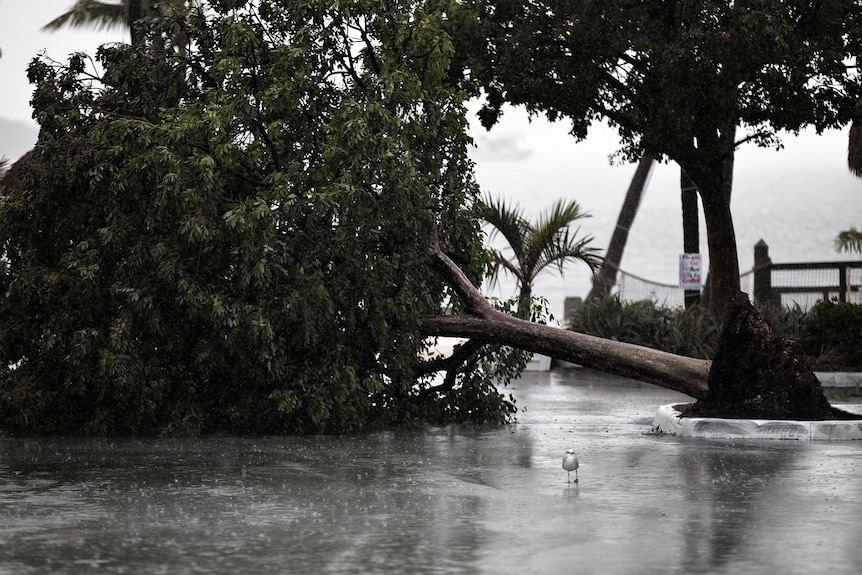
point(476, 302)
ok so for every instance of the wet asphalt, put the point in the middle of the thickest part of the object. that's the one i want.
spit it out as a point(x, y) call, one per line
point(467, 500)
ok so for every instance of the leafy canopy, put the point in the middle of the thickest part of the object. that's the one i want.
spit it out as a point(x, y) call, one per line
point(671, 75)
point(677, 79)
point(235, 238)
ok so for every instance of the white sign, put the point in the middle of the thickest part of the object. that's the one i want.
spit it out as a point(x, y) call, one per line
point(689, 271)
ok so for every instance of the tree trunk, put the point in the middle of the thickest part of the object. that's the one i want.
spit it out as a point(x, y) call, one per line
point(854, 144)
point(606, 277)
point(723, 257)
point(136, 12)
point(683, 374)
point(525, 300)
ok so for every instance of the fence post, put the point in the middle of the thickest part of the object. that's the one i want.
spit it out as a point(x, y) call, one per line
point(762, 274)
point(843, 283)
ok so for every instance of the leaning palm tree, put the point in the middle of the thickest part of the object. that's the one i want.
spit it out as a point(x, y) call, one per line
point(534, 248)
point(606, 277)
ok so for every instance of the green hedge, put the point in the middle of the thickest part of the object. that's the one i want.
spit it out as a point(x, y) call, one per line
point(829, 335)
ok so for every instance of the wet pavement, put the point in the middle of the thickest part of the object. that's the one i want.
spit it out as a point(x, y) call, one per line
point(453, 500)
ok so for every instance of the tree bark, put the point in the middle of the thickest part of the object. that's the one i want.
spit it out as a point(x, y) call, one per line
point(854, 143)
point(136, 12)
point(606, 277)
point(683, 374)
point(723, 258)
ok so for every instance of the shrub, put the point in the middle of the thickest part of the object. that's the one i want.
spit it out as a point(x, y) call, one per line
point(829, 335)
point(832, 333)
point(690, 332)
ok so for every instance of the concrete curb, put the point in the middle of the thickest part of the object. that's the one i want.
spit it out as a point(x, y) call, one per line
point(667, 420)
point(839, 378)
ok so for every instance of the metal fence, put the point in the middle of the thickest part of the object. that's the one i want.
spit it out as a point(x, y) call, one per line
point(804, 283)
point(786, 284)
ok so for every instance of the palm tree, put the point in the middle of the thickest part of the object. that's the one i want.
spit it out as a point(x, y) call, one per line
point(606, 277)
point(92, 14)
point(106, 15)
point(535, 247)
point(4, 167)
point(849, 241)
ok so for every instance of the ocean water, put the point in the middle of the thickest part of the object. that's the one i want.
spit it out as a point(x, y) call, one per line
point(796, 199)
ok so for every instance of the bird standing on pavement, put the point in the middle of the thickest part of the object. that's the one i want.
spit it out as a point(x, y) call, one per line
point(570, 463)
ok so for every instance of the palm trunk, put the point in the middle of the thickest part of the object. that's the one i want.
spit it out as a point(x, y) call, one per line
point(854, 150)
point(606, 277)
point(525, 300)
point(136, 13)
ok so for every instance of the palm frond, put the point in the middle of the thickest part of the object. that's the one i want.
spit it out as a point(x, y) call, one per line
point(568, 247)
point(500, 264)
point(849, 241)
point(554, 243)
point(555, 220)
point(508, 222)
point(92, 14)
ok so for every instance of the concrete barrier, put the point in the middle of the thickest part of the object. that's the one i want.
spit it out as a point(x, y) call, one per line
point(668, 420)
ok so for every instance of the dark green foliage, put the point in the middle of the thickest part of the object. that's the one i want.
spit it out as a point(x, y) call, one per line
point(829, 334)
point(235, 239)
point(832, 331)
point(691, 332)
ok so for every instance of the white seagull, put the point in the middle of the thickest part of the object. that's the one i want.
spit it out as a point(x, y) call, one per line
point(570, 463)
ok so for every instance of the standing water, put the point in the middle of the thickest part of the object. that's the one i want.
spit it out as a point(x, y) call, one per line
point(448, 500)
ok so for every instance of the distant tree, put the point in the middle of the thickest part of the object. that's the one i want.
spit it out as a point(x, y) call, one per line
point(675, 78)
point(121, 13)
point(92, 14)
point(536, 247)
point(606, 277)
point(849, 241)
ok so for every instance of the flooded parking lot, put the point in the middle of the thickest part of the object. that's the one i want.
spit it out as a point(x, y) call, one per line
point(448, 500)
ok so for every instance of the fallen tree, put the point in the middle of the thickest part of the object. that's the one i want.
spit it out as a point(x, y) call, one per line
point(683, 374)
point(756, 372)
